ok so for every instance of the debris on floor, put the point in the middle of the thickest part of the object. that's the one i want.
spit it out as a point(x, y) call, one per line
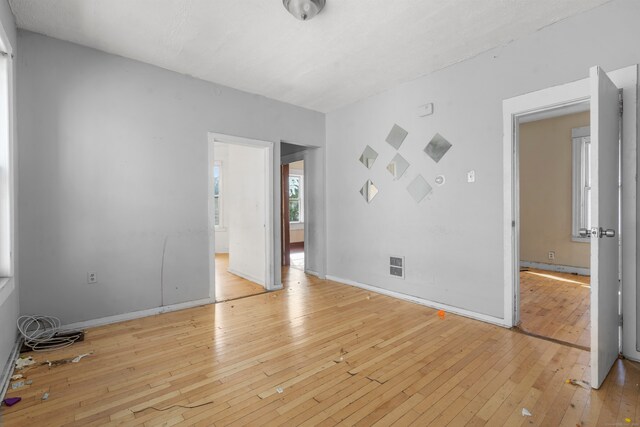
point(45, 396)
point(17, 385)
point(525, 412)
point(171, 407)
point(441, 314)
point(579, 383)
point(16, 377)
point(341, 357)
point(23, 362)
point(279, 389)
point(79, 358)
point(10, 401)
point(627, 420)
point(60, 362)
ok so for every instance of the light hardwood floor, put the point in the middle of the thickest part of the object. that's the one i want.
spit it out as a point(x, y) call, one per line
point(320, 353)
point(556, 305)
point(229, 286)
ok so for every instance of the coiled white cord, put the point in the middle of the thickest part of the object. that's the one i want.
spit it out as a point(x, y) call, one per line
point(39, 333)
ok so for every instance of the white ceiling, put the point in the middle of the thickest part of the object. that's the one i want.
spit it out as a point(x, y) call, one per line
point(352, 50)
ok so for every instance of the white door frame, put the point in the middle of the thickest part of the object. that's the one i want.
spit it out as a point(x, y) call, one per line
point(269, 206)
point(546, 101)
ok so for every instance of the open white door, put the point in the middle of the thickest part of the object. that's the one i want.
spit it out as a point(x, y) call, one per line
point(604, 153)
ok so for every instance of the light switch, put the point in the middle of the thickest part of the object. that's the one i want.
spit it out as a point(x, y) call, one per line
point(471, 176)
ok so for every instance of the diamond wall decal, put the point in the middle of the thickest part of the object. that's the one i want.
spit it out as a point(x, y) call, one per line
point(396, 136)
point(368, 157)
point(368, 191)
point(437, 147)
point(419, 188)
point(397, 166)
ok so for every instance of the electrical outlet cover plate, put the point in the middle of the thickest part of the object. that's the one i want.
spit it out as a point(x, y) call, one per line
point(92, 277)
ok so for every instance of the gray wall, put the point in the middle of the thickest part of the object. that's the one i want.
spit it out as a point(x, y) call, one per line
point(8, 308)
point(113, 163)
point(453, 242)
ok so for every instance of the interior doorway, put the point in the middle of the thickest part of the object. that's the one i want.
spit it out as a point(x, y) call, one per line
point(294, 218)
point(554, 193)
point(240, 216)
point(613, 158)
point(302, 212)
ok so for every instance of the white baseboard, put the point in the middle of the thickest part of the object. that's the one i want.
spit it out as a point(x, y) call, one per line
point(555, 267)
point(138, 314)
point(7, 371)
point(246, 276)
point(448, 308)
point(316, 274)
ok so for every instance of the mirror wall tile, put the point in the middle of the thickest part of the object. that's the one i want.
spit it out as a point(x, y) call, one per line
point(368, 191)
point(368, 157)
point(398, 166)
point(396, 136)
point(437, 147)
point(419, 188)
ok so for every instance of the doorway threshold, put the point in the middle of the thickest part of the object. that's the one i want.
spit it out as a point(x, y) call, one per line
point(553, 340)
point(241, 297)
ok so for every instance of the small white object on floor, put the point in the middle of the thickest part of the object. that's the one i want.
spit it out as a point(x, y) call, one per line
point(279, 389)
point(525, 412)
point(23, 362)
point(79, 358)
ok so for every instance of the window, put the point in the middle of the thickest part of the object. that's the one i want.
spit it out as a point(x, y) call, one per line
point(581, 146)
point(296, 197)
point(6, 153)
point(217, 187)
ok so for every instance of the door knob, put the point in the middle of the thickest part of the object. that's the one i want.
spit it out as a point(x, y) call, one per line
point(609, 232)
point(597, 232)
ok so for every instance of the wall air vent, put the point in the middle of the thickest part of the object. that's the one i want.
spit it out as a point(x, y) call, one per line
point(396, 266)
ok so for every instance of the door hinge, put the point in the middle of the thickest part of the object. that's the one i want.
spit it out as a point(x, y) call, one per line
point(513, 223)
point(620, 321)
point(620, 102)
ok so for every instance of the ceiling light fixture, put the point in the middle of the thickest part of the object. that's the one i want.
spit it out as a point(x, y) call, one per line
point(304, 9)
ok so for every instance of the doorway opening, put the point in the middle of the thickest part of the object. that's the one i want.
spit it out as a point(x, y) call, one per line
point(301, 212)
point(613, 155)
point(296, 195)
point(554, 193)
point(240, 206)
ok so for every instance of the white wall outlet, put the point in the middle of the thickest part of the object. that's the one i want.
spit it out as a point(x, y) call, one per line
point(471, 176)
point(552, 255)
point(92, 277)
point(425, 110)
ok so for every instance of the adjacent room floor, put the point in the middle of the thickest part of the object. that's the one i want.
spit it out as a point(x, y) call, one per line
point(556, 305)
point(319, 352)
point(296, 257)
point(229, 286)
